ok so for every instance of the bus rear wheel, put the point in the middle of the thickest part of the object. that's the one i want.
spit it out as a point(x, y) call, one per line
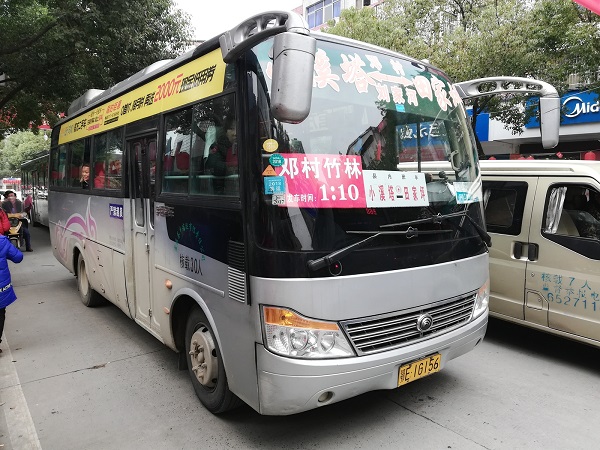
point(205, 365)
point(88, 296)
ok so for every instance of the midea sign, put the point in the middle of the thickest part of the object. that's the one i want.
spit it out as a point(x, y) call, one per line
point(578, 107)
point(575, 106)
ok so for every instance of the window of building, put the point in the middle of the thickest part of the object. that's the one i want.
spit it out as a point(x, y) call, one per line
point(323, 11)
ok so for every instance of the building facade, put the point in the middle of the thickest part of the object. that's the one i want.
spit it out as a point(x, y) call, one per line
point(579, 132)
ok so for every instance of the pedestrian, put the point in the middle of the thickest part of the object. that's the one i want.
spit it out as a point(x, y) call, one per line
point(4, 222)
point(7, 293)
point(12, 205)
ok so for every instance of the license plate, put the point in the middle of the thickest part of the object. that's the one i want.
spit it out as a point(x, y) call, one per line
point(419, 369)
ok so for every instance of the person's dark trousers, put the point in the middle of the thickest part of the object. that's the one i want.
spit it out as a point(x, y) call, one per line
point(27, 238)
point(2, 317)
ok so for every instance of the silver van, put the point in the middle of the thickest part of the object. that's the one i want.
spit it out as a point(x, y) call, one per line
point(544, 220)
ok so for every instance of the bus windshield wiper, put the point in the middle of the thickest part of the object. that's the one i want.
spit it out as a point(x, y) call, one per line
point(319, 263)
point(439, 218)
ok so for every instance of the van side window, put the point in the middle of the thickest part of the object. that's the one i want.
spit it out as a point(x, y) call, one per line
point(504, 202)
point(573, 210)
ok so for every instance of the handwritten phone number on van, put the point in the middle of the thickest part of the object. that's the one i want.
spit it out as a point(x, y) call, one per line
point(568, 291)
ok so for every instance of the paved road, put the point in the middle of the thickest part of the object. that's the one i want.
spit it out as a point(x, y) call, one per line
point(89, 378)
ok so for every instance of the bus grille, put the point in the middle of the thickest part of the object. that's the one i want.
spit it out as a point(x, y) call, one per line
point(389, 331)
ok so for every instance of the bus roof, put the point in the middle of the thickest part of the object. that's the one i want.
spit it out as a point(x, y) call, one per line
point(95, 97)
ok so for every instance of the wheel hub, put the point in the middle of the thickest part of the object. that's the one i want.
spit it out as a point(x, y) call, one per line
point(204, 364)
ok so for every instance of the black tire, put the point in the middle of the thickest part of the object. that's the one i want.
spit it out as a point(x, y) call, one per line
point(209, 383)
point(88, 296)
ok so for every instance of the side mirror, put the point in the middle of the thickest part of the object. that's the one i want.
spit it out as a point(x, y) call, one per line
point(549, 99)
point(549, 121)
point(293, 68)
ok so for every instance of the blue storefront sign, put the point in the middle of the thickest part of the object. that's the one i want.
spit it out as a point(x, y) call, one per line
point(577, 107)
point(482, 126)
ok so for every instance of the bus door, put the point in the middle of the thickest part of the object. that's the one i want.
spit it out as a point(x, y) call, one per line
point(142, 154)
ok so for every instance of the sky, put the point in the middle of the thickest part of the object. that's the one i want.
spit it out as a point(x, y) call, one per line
point(212, 17)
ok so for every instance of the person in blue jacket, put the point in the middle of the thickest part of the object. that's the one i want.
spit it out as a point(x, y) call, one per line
point(7, 293)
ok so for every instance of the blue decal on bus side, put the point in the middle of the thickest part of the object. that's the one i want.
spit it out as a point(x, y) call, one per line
point(115, 211)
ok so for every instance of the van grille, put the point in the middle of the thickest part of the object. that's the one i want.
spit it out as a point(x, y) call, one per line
point(389, 331)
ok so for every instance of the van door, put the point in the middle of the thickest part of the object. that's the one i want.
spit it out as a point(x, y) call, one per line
point(565, 230)
point(508, 206)
point(142, 153)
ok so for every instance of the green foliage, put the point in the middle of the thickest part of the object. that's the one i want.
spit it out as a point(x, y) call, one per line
point(469, 39)
point(17, 148)
point(52, 51)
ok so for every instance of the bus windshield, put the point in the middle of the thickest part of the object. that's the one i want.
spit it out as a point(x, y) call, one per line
point(387, 142)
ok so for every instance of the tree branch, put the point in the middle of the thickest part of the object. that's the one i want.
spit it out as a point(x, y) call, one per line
point(20, 86)
point(28, 42)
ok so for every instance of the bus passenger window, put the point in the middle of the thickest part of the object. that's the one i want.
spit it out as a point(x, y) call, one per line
point(84, 175)
point(57, 160)
point(214, 153)
point(222, 161)
point(108, 154)
point(113, 180)
point(204, 136)
point(75, 161)
point(176, 159)
point(99, 175)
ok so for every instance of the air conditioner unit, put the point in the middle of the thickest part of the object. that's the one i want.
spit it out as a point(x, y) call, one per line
point(574, 82)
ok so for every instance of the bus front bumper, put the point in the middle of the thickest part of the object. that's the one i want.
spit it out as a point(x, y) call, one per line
point(289, 386)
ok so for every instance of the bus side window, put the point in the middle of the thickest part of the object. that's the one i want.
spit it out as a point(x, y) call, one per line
point(204, 137)
point(59, 166)
point(108, 154)
point(176, 157)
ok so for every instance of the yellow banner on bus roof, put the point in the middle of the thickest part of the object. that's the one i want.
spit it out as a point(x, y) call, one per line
point(195, 80)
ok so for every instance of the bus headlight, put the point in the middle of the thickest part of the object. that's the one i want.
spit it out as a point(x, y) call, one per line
point(288, 333)
point(482, 298)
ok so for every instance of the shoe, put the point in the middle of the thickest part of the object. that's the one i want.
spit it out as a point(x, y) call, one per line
point(0, 350)
point(29, 250)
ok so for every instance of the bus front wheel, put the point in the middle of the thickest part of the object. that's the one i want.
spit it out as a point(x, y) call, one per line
point(205, 365)
point(88, 296)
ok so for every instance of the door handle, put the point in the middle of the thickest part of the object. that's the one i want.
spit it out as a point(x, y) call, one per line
point(532, 251)
point(518, 250)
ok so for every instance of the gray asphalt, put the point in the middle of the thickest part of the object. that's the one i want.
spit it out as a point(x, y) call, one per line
point(73, 377)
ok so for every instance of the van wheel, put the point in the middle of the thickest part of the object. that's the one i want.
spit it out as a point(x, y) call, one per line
point(205, 365)
point(88, 296)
